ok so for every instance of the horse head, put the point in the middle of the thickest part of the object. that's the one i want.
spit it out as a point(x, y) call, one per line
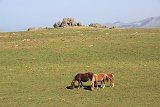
point(73, 83)
point(110, 77)
point(92, 83)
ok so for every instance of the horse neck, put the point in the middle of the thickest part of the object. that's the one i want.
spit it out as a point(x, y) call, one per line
point(90, 75)
point(111, 76)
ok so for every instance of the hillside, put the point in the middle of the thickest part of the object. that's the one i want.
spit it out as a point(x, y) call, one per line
point(37, 67)
point(153, 22)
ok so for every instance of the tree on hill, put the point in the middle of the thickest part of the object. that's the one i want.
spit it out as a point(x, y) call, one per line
point(66, 22)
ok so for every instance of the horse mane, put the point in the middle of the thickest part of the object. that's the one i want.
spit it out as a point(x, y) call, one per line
point(90, 74)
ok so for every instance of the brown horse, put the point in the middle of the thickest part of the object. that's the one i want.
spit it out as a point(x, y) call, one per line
point(111, 79)
point(101, 78)
point(98, 78)
point(81, 77)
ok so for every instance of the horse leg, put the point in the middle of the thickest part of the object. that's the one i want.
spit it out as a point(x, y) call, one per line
point(81, 84)
point(111, 83)
point(97, 84)
point(78, 84)
point(101, 84)
point(104, 83)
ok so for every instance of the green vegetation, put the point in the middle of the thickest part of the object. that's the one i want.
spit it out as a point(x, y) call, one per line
point(97, 25)
point(37, 66)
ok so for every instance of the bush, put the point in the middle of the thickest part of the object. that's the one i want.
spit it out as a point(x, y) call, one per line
point(96, 25)
point(67, 22)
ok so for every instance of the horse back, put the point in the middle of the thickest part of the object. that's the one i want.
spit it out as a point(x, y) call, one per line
point(99, 77)
point(85, 77)
point(82, 77)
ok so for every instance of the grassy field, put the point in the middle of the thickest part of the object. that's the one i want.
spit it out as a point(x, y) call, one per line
point(37, 66)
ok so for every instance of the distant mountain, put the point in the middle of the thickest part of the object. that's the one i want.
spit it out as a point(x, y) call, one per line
point(152, 22)
point(115, 24)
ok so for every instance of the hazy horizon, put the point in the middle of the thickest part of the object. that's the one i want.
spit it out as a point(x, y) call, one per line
point(18, 15)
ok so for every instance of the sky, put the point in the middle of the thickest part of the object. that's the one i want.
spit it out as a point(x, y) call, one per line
point(19, 15)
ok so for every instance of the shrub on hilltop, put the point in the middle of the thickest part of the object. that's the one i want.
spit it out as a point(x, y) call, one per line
point(66, 22)
point(96, 25)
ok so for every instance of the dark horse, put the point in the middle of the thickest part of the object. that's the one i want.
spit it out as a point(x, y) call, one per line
point(81, 77)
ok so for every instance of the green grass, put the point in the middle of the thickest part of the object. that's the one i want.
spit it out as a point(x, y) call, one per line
point(37, 66)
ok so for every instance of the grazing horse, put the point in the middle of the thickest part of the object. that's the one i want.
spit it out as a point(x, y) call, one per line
point(99, 78)
point(81, 77)
point(110, 77)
